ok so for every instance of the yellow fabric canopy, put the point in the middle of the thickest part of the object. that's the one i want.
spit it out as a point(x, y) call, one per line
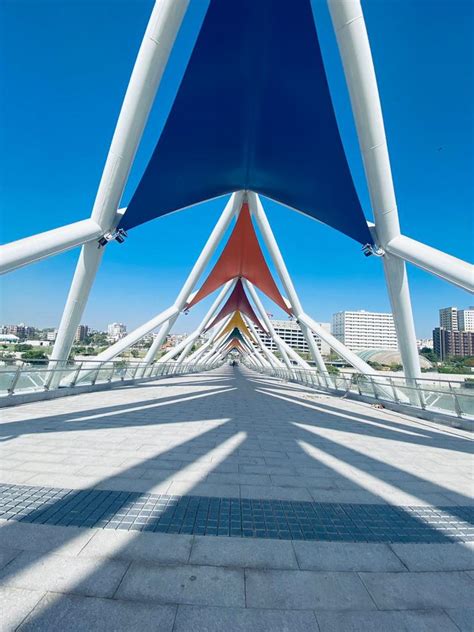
point(237, 321)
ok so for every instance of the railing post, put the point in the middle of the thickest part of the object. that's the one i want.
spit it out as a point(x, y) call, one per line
point(394, 390)
point(419, 394)
point(94, 379)
point(457, 407)
point(74, 379)
point(16, 377)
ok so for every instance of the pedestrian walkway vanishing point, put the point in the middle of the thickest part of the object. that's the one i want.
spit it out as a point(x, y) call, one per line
point(232, 500)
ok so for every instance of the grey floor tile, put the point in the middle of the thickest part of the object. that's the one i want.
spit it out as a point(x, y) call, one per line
point(463, 618)
point(36, 571)
point(193, 585)
point(199, 619)
point(7, 555)
point(419, 591)
point(306, 589)
point(250, 553)
point(346, 556)
point(206, 489)
point(161, 548)
point(436, 557)
point(43, 537)
point(388, 621)
point(74, 613)
point(271, 492)
point(345, 496)
point(15, 605)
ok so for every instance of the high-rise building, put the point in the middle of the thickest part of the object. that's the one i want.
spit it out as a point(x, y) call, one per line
point(448, 318)
point(448, 343)
point(466, 319)
point(455, 319)
point(365, 330)
point(290, 332)
point(22, 331)
point(81, 333)
point(116, 331)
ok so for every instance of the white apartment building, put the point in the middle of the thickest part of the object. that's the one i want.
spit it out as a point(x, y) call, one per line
point(365, 330)
point(454, 319)
point(116, 331)
point(290, 332)
point(466, 319)
point(448, 318)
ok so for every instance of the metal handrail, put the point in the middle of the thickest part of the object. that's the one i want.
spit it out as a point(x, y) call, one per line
point(443, 396)
point(41, 376)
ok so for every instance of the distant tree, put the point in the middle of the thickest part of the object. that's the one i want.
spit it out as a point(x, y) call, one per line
point(135, 353)
point(332, 370)
point(395, 366)
point(375, 365)
point(23, 347)
point(36, 355)
point(429, 354)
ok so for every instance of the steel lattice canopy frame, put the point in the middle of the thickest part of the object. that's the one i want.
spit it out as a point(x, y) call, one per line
point(254, 112)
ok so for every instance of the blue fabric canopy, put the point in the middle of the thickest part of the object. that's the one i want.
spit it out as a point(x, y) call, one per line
point(253, 111)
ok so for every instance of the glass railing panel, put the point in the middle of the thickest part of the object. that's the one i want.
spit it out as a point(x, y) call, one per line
point(365, 385)
point(86, 377)
point(440, 401)
point(6, 381)
point(465, 403)
point(33, 379)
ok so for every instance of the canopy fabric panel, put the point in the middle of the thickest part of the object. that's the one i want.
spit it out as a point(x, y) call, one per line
point(237, 301)
point(242, 257)
point(234, 335)
point(237, 322)
point(235, 344)
point(254, 112)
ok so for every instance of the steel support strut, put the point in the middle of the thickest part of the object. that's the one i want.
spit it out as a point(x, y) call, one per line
point(354, 48)
point(151, 61)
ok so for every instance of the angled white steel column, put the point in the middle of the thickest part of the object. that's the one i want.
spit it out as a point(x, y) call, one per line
point(253, 351)
point(354, 47)
point(183, 350)
point(30, 249)
point(159, 339)
point(283, 347)
point(231, 209)
point(275, 253)
point(447, 267)
point(272, 359)
point(338, 346)
point(267, 322)
point(151, 61)
point(205, 348)
point(202, 325)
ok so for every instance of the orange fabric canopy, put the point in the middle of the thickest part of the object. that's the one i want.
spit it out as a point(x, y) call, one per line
point(237, 301)
point(242, 257)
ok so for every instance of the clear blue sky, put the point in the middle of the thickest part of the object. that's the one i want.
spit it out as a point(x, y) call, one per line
point(64, 68)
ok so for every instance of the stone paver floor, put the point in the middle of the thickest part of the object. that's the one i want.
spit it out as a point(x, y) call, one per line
point(232, 438)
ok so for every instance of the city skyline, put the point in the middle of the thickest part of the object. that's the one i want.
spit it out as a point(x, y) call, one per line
point(176, 331)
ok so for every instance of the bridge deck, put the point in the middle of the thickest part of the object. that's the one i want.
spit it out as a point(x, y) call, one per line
point(327, 512)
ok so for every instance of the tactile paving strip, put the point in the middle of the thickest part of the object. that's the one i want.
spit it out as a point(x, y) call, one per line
point(235, 517)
